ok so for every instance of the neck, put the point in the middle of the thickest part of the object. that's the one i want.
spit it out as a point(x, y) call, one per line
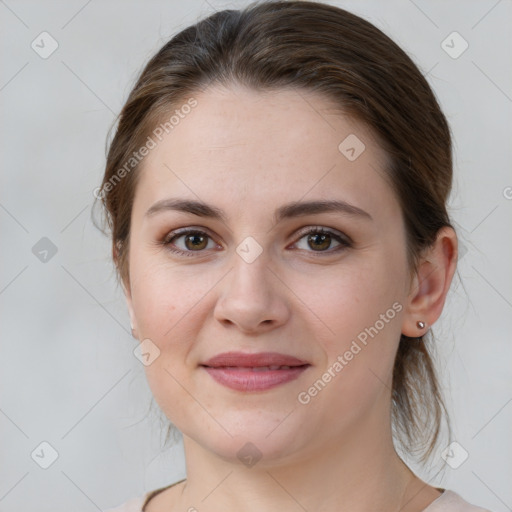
point(360, 473)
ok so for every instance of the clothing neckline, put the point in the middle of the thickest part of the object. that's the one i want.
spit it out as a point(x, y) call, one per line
point(436, 501)
point(150, 495)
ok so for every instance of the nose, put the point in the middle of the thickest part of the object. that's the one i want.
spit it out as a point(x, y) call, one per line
point(252, 297)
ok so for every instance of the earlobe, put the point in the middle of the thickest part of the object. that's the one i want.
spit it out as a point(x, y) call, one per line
point(431, 284)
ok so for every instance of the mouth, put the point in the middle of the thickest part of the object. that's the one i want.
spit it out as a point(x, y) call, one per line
point(256, 368)
point(254, 372)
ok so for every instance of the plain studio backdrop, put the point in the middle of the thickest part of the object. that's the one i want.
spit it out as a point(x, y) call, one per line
point(75, 433)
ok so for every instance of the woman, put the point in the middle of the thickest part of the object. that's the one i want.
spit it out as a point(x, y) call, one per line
point(276, 192)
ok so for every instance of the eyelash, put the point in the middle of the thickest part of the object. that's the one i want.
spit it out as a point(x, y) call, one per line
point(344, 241)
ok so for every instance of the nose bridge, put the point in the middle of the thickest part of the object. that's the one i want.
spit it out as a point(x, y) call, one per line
point(251, 295)
point(249, 268)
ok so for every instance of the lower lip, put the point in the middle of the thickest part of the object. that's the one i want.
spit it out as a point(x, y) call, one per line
point(250, 380)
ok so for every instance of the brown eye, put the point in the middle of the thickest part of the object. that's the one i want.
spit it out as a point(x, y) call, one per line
point(193, 241)
point(320, 240)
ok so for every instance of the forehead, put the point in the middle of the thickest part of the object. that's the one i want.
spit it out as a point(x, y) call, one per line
point(261, 149)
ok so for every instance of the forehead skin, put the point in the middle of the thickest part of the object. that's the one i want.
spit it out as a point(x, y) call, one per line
point(248, 152)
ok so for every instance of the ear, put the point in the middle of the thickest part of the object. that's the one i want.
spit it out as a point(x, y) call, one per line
point(125, 284)
point(431, 283)
point(129, 303)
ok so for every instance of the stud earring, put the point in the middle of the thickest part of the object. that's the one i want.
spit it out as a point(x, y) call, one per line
point(420, 324)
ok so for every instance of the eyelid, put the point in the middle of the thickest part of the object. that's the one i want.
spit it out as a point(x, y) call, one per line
point(300, 233)
point(326, 230)
point(186, 230)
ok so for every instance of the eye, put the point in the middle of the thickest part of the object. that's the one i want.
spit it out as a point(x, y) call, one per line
point(320, 239)
point(196, 241)
point(193, 241)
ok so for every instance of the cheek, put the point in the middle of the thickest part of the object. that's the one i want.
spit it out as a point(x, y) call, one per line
point(360, 311)
point(164, 300)
point(345, 299)
point(164, 297)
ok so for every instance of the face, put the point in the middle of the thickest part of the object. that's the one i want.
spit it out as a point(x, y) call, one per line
point(324, 285)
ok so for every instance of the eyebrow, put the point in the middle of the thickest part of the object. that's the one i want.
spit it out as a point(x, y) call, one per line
point(287, 211)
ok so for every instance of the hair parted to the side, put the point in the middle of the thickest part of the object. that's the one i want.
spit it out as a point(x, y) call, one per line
point(315, 47)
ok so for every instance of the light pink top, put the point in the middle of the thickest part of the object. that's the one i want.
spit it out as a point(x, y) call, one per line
point(449, 501)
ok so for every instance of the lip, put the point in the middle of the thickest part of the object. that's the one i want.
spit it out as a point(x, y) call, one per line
point(243, 359)
point(249, 372)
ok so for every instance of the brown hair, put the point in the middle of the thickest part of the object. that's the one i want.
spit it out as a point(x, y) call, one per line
point(316, 47)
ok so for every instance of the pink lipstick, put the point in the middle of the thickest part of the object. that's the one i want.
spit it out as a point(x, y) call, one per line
point(254, 372)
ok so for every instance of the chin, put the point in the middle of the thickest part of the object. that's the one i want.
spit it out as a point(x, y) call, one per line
point(254, 440)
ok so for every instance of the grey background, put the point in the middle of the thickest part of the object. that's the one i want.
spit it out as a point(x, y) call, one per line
point(67, 372)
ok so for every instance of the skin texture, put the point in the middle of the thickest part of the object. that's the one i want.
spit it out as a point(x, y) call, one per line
point(249, 152)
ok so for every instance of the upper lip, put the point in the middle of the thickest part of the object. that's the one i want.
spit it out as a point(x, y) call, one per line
point(253, 360)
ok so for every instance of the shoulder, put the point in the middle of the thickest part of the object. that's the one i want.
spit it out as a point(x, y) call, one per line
point(133, 505)
point(450, 501)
